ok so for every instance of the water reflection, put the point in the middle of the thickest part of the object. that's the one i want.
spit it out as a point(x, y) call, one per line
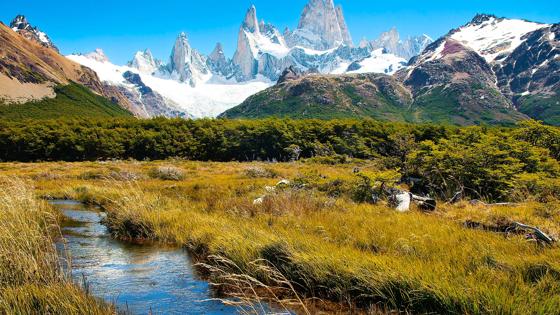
point(143, 279)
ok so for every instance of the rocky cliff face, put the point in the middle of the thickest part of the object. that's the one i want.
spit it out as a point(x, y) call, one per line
point(186, 64)
point(493, 64)
point(346, 37)
point(263, 50)
point(530, 75)
point(534, 66)
point(217, 61)
point(321, 27)
point(148, 102)
point(452, 83)
point(245, 56)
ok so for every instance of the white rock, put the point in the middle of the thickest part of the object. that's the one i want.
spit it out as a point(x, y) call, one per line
point(258, 201)
point(283, 182)
point(403, 201)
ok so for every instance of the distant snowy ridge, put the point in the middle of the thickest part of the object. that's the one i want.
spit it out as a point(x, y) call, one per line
point(191, 84)
point(491, 37)
point(205, 100)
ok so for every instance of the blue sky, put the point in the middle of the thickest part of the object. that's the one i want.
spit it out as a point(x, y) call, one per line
point(123, 27)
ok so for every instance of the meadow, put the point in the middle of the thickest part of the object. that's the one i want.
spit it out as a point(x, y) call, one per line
point(316, 243)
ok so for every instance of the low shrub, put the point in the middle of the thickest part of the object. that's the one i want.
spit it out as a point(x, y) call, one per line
point(167, 173)
point(260, 172)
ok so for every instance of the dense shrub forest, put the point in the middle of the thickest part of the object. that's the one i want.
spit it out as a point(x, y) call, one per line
point(486, 162)
point(214, 140)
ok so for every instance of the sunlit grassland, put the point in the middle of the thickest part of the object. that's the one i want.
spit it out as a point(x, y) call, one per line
point(31, 278)
point(325, 244)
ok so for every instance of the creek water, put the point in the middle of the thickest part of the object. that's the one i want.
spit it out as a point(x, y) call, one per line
point(139, 279)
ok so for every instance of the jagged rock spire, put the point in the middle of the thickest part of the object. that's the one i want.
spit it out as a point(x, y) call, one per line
point(186, 64)
point(145, 62)
point(251, 23)
point(346, 37)
point(244, 55)
point(322, 26)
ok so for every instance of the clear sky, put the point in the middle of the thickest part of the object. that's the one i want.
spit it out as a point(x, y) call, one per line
point(122, 27)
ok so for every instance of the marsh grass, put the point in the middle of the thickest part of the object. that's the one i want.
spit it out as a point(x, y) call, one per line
point(357, 255)
point(31, 277)
point(249, 293)
point(326, 246)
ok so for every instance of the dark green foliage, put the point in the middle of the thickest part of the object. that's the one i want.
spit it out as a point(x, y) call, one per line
point(442, 105)
point(545, 108)
point(207, 139)
point(328, 98)
point(487, 163)
point(72, 101)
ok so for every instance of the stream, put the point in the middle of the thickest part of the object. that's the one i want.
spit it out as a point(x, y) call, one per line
point(138, 279)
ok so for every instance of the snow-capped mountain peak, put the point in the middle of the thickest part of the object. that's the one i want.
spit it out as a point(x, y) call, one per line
point(202, 86)
point(493, 37)
point(145, 62)
point(251, 23)
point(392, 43)
point(21, 25)
point(321, 27)
point(161, 94)
point(217, 53)
point(98, 54)
point(255, 46)
point(187, 64)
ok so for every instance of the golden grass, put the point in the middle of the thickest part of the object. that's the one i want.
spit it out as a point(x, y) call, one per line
point(31, 278)
point(363, 256)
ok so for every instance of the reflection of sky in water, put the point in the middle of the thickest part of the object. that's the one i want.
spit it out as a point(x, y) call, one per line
point(142, 278)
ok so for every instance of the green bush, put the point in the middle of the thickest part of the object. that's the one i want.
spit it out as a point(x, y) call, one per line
point(483, 165)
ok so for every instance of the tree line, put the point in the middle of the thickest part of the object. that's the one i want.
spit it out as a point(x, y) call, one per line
point(204, 140)
point(493, 163)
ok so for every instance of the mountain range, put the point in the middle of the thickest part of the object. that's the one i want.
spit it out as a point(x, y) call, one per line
point(490, 70)
point(190, 84)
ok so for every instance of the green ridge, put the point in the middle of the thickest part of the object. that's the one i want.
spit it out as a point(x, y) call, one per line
point(71, 101)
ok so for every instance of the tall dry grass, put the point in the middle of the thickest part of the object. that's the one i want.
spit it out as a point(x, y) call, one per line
point(324, 245)
point(359, 255)
point(31, 277)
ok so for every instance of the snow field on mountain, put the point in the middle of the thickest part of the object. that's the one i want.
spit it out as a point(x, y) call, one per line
point(207, 99)
point(495, 36)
